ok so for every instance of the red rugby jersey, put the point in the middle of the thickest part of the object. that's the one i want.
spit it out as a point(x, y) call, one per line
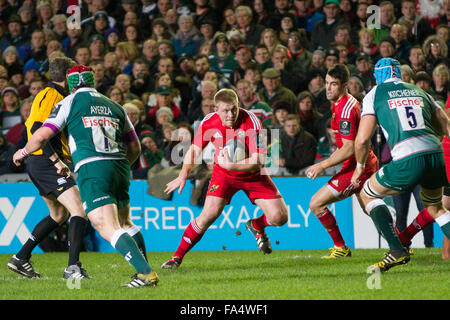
point(345, 122)
point(247, 129)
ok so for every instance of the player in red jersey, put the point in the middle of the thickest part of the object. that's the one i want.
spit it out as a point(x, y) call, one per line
point(345, 121)
point(229, 122)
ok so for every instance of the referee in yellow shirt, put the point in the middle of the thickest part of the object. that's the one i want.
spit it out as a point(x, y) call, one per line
point(51, 176)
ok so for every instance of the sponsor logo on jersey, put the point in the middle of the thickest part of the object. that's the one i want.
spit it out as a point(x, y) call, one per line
point(344, 127)
point(99, 121)
point(100, 199)
point(213, 188)
point(405, 102)
point(61, 181)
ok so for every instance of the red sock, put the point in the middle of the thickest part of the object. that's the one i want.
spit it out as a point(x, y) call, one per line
point(329, 222)
point(260, 223)
point(191, 236)
point(422, 220)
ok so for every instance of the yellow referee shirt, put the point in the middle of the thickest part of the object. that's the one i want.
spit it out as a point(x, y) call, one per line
point(41, 108)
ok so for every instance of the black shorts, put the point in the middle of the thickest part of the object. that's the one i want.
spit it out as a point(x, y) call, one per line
point(45, 176)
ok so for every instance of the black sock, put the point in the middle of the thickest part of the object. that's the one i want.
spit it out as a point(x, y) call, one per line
point(41, 230)
point(77, 227)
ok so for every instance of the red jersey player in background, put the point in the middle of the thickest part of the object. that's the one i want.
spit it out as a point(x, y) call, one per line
point(226, 123)
point(344, 122)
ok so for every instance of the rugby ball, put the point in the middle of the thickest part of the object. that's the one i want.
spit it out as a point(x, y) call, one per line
point(235, 149)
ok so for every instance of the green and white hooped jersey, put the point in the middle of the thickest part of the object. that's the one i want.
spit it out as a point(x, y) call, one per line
point(404, 113)
point(98, 127)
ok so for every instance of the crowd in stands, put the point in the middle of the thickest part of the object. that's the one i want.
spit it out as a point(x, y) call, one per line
point(163, 61)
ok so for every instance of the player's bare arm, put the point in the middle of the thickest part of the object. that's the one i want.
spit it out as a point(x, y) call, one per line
point(338, 156)
point(441, 122)
point(37, 141)
point(133, 151)
point(188, 164)
point(366, 129)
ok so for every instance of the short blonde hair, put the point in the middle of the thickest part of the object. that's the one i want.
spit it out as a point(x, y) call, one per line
point(227, 96)
point(128, 49)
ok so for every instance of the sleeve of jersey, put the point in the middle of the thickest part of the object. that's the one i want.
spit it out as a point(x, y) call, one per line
point(57, 119)
point(129, 132)
point(349, 121)
point(256, 136)
point(367, 107)
point(202, 136)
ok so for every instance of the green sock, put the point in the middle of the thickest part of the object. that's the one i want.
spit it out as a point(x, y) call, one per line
point(444, 223)
point(381, 217)
point(127, 247)
point(139, 239)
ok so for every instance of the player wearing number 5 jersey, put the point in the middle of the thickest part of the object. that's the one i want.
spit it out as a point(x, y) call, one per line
point(103, 144)
point(412, 123)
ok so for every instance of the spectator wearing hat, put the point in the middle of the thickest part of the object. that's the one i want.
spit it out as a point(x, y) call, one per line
point(97, 24)
point(286, 27)
point(14, 36)
point(27, 17)
point(97, 47)
point(160, 30)
point(281, 109)
point(112, 37)
point(10, 59)
point(207, 30)
point(10, 115)
point(223, 59)
point(331, 58)
point(356, 87)
point(279, 10)
point(425, 82)
point(316, 86)
point(298, 146)
point(273, 89)
point(236, 38)
point(364, 70)
point(164, 99)
point(324, 30)
point(251, 31)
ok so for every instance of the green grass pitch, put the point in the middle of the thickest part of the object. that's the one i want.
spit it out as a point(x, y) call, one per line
point(237, 275)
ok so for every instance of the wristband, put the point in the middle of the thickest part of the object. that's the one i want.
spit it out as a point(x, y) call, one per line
point(24, 152)
point(360, 166)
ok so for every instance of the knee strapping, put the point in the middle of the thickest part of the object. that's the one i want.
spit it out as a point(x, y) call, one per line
point(369, 192)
